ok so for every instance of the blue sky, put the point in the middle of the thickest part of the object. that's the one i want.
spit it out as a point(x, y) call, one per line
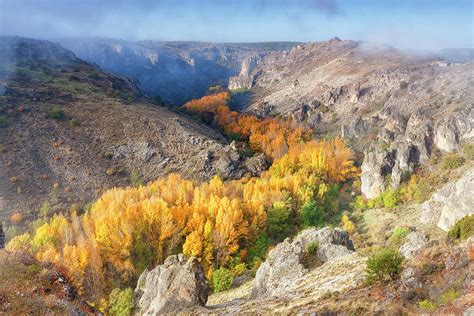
point(415, 24)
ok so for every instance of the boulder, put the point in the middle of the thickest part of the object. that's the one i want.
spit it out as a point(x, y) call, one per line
point(452, 202)
point(175, 285)
point(415, 241)
point(285, 265)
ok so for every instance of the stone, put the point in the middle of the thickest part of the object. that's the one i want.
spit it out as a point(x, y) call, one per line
point(175, 285)
point(452, 202)
point(285, 264)
point(415, 242)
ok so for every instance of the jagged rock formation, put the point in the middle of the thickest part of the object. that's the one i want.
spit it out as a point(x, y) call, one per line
point(285, 264)
point(450, 203)
point(175, 285)
point(245, 78)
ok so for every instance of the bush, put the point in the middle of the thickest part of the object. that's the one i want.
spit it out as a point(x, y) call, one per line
point(403, 84)
point(312, 247)
point(449, 296)
point(135, 179)
point(121, 302)
point(468, 151)
point(221, 280)
point(389, 199)
point(56, 113)
point(74, 122)
point(384, 264)
point(238, 269)
point(427, 305)
point(359, 203)
point(452, 161)
point(311, 214)
point(45, 210)
point(3, 121)
point(399, 234)
point(19, 243)
point(463, 229)
point(277, 221)
point(258, 249)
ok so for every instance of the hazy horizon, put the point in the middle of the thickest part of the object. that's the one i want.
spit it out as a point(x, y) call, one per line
point(413, 25)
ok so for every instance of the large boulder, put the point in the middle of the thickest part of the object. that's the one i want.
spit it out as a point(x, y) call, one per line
point(287, 262)
point(175, 285)
point(452, 202)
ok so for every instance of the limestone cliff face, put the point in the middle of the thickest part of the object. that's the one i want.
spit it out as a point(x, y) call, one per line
point(450, 203)
point(246, 75)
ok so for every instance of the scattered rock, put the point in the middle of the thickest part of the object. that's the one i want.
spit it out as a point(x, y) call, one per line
point(285, 264)
point(175, 285)
point(415, 241)
point(450, 203)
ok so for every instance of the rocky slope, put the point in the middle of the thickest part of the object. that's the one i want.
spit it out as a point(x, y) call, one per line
point(396, 108)
point(175, 71)
point(69, 131)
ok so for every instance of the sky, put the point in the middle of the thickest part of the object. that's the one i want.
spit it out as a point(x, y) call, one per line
point(406, 24)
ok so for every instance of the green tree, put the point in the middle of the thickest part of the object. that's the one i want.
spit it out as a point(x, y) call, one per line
point(121, 302)
point(277, 221)
point(384, 264)
point(311, 214)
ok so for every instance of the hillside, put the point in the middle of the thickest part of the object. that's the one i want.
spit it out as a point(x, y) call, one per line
point(70, 131)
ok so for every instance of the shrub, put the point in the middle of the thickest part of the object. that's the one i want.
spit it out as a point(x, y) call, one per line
point(277, 221)
point(449, 296)
point(384, 264)
point(121, 302)
point(399, 234)
point(427, 305)
point(452, 161)
point(221, 280)
point(258, 249)
point(56, 113)
point(463, 229)
point(19, 243)
point(16, 218)
point(3, 121)
point(468, 151)
point(403, 84)
point(74, 122)
point(238, 269)
point(359, 203)
point(135, 179)
point(312, 247)
point(389, 199)
point(311, 214)
point(45, 210)
point(422, 190)
point(347, 224)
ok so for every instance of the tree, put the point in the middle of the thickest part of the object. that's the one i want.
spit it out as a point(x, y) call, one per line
point(311, 214)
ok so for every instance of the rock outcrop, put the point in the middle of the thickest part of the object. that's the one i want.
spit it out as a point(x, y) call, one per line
point(452, 130)
point(415, 242)
point(450, 203)
point(175, 285)
point(287, 262)
point(245, 77)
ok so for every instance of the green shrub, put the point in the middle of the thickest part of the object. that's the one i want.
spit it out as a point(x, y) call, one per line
point(238, 269)
point(389, 199)
point(45, 210)
point(468, 151)
point(384, 264)
point(311, 214)
point(135, 179)
point(3, 121)
point(427, 305)
point(452, 161)
point(359, 203)
point(312, 247)
point(399, 234)
point(463, 229)
point(121, 302)
point(56, 113)
point(422, 190)
point(449, 296)
point(277, 221)
point(74, 122)
point(258, 249)
point(221, 280)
